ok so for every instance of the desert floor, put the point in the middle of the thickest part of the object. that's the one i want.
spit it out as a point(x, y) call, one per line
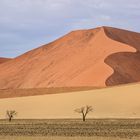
point(64, 138)
point(101, 129)
point(115, 102)
point(40, 117)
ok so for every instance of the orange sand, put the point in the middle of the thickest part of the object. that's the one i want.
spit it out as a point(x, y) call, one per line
point(80, 58)
point(2, 60)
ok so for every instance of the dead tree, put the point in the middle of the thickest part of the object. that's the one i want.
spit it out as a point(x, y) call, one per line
point(84, 111)
point(11, 114)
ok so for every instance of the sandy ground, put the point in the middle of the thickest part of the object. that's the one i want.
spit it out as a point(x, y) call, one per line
point(113, 102)
point(120, 128)
point(64, 138)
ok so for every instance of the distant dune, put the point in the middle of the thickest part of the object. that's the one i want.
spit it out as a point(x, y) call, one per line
point(2, 60)
point(115, 102)
point(11, 93)
point(99, 57)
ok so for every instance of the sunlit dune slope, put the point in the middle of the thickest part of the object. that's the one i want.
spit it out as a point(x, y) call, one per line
point(97, 57)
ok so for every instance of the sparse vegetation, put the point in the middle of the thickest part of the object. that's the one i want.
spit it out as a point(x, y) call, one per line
point(11, 114)
point(124, 128)
point(84, 111)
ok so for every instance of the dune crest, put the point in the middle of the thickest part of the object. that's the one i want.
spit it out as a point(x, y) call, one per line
point(80, 58)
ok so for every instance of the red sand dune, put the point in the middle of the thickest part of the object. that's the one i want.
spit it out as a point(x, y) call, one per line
point(2, 60)
point(98, 57)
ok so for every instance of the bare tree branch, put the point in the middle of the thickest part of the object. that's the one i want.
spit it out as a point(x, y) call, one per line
point(88, 109)
point(80, 110)
point(11, 114)
point(84, 111)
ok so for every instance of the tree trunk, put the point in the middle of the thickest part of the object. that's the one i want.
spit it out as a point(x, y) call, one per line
point(84, 118)
point(10, 119)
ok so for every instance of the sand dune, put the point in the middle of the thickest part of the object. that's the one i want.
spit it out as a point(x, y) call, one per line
point(116, 102)
point(11, 93)
point(126, 65)
point(97, 57)
point(2, 60)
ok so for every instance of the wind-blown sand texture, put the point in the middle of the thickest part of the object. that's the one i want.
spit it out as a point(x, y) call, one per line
point(98, 57)
point(116, 102)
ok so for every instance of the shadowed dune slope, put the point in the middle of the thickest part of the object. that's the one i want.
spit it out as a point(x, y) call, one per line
point(126, 65)
point(12, 93)
point(3, 60)
point(81, 58)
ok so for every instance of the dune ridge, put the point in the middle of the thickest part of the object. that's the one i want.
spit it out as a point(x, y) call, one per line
point(83, 58)
point(126, 65)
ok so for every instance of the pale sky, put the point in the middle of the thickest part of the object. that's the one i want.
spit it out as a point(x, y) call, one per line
point(27, 24)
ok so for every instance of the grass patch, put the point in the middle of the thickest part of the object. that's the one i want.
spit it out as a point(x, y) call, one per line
point(123, 128)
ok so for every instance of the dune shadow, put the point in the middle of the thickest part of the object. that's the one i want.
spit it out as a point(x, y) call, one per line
point(126, 65)
point(126, 68)
point(126, 37)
